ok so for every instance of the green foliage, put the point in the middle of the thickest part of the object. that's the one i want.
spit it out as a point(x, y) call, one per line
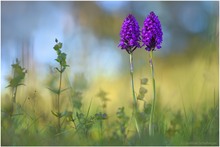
point(103, 97)
point(79, 85)
point(80, 82)
point(101, 116)
point(79, 128)
point(19, 74)
point(122, 122)
point(143, 117)
point(25, 123)
point(144, 81)
point(85, 121)
point(76, 99)
point(61, 57)
point(142, 89)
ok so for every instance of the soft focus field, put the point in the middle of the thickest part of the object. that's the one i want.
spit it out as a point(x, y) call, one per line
point(97, 104)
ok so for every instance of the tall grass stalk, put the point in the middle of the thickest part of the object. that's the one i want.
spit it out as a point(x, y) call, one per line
point(133, 92)
point(151, 129)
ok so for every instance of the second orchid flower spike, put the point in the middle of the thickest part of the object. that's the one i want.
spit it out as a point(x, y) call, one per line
point(152, 35)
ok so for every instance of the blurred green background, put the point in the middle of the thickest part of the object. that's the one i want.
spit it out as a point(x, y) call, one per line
point(186, 67)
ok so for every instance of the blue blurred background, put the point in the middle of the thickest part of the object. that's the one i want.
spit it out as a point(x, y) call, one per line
point(90, 35)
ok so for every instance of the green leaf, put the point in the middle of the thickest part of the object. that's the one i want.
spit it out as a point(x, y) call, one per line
point(57, 69)
point(62, 114)
point(64, 90)
point(63, 55)
point(66, 114)
point(54, 90)
point(79, 116)
point(58, 46)
point(58, 52)
point(58, 60)
point(89, 108)
point(103, 95)
point(55, 114)
point(147, 108)
point(142, 90)
point(140, 97)
point(63, 69)
point(144, 81)
point(19, 74)
point(120, 112)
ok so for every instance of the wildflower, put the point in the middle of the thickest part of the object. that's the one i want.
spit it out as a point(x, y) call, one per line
point(130, 34)
point(130, 40)
point(152, 32)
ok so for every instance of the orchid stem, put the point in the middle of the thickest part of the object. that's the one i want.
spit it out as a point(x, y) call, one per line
point(133, 92)
point(151, 129)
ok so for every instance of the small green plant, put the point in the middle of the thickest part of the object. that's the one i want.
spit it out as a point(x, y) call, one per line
point(142, 89)
point(61, 59)
point(76, 99)
point(14, 113)
point(122, 122)
point(85, 121)
point(16, 80)
point(100, 117)
point(104, 99)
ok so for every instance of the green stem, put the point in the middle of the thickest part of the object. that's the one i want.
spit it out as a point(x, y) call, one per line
point(14, 90)
point(101, 132)
point(14, 94)
point(132, 80)
point(151, 129)
point(133, 92)
point(58, 99)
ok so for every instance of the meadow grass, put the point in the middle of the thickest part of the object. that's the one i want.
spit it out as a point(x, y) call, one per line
point(187, 108)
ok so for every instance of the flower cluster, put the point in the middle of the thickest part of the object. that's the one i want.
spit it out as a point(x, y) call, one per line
point(151, 33)
point(130, 34)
